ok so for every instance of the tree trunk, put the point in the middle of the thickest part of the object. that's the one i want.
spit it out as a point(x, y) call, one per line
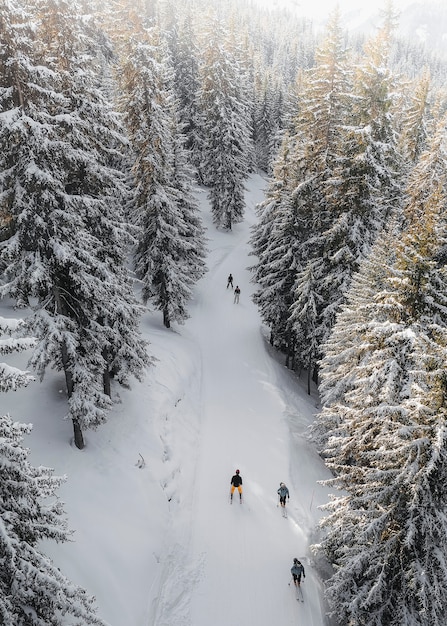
point(106, 383)
point(78, 436)
point(309, 370)
point(166, 320)
point(107, 374)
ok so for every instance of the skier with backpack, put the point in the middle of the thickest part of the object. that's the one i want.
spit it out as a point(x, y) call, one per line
point(283, 493)
point(297, 571)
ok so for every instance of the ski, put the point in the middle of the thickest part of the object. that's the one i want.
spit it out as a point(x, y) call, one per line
point(298, 593)
point(231, 500)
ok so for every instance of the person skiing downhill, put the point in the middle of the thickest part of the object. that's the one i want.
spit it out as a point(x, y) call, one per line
point(297, 571)
point(236, 483)
point(237, 293)
point(230, 281)
point(283, 493)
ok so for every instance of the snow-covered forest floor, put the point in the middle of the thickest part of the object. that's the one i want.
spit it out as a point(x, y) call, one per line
point(159, 544)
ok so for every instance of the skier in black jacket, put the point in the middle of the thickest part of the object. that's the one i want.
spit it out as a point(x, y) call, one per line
point(236, 483)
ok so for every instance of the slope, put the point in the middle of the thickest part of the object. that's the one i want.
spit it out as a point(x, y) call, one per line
point(232, 567)
point(155, 538)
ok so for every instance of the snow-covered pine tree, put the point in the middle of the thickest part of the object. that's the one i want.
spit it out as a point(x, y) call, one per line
point(68, 247)
point(304, 317)
point(356, 155)
point(226, 132)
point(170, 252)
point(267, 119)
point(313, 150)
point(33, 591)
point(274, 241)
point(184, 55)
point(385, 409)
point(363, 186)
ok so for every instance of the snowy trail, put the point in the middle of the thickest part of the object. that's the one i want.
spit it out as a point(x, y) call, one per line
point(159, 544)
point(240, 555)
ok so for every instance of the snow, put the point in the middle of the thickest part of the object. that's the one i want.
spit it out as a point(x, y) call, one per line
point(155, 537)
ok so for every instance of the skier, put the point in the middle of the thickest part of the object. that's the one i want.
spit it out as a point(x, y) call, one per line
point(297, 571)
point(230, 281)
point(237, 292)
point(283, 493)
point(236, 483)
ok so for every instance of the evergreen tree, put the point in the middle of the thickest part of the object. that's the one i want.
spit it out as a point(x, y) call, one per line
point(274, 241)
point(304, 317)
point(355, 162)
point(68, 247)
point(267, 121)
point(385, 409)
point(313, 155)
point(169, 258)
point(226, 133)
point(32, 589)
point(184, 55)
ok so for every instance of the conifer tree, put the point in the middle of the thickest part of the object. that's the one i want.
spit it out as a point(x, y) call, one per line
point(414, 127)
point(184, 54)
point(68, 247)
point(267, 121)
point(274, 240)
point(170, 252)
point(356, 166)
point(313, 155)
point(33, 591)
point(385, 409)
point(226, 133)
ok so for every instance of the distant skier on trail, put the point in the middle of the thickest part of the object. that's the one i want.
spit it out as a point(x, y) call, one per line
point(230, 281)
point(283, 493)
point(237, 293)
point(297, 571)
point(236, 483)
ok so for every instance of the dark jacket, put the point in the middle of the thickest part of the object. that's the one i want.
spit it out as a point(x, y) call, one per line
point(236, 480)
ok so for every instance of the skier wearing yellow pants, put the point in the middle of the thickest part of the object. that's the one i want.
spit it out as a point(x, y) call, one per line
point(236, 483)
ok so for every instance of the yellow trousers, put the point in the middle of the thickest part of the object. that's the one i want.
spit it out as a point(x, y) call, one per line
point(238, 488)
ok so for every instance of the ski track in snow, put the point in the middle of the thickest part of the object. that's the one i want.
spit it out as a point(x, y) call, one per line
point(229, 565)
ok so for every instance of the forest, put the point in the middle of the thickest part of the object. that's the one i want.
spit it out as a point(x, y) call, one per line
point(110, 112)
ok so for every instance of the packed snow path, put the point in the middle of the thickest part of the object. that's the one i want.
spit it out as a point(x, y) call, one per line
point(231, 567)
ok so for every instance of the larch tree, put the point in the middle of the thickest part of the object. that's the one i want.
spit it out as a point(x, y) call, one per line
point(170, 251)
point(414, 131)
point(385, 395)
point(313, 157)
